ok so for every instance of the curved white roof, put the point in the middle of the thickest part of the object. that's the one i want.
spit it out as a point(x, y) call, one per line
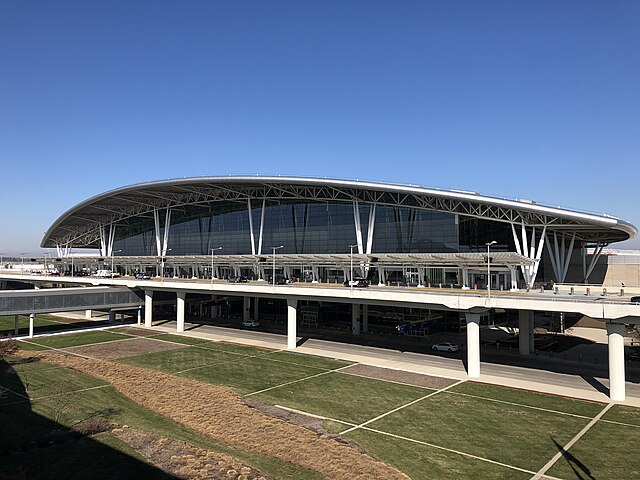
point(79, 226)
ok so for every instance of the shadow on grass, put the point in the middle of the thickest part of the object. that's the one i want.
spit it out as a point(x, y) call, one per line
point(33, 446)
point(581, 471)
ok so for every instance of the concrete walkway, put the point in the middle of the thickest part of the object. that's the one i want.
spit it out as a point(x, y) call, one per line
point(583, 387)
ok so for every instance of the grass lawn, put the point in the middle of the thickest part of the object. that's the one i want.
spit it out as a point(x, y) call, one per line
point(623, 414)
point(343, 397)
point(7, 324)
point(605, 451)
point(181, 359)
point(421, 461)
point(249, 374)
point(532, 399)
point(500, 432)
point(80, 338)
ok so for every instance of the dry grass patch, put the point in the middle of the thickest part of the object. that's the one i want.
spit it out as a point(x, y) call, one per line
point(185, 461)
point(123, 348)
point(222, 415)
point(390, 375)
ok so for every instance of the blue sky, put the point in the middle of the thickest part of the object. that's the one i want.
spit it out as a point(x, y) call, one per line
point(532, 100)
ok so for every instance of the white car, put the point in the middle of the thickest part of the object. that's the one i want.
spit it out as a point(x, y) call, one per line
point(445, 347)
point(251, 323)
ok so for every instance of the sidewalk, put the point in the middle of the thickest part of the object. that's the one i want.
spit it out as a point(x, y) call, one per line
point(581, 386)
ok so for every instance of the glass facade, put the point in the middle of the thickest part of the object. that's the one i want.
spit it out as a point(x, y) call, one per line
point(309, 227)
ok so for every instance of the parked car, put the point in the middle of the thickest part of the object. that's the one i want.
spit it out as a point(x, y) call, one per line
point(237, 279)
point(445, 347)
point(251, 323)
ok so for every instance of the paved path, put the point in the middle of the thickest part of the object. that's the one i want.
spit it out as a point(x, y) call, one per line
point(583, 387)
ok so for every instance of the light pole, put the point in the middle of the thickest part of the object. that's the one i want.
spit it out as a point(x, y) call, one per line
point(213, 250)
point(351, 247)
point(113, 254)
point(273, 270)
point(492, 242)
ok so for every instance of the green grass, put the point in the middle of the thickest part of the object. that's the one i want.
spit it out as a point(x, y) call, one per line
point(167, 337)
point(7, 324)
point(532, 399)
point(421, 461)
point(180, 359)
point(499, 432)
point(623, 414)
point(77, 339)
point(605, 451)
point(248, 374)
point(343, 397)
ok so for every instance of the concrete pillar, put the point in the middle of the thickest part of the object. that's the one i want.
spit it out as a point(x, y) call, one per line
point(355, 318)
point(292, 324)
point(525, 324)
point(148, 308)
point(32, 317)
point(87, 314)
point(180, 301)
point(473, 344)
point(615, 336)
point(246, 309)
point(16, 320)
point(256, 311)
point(365, 318)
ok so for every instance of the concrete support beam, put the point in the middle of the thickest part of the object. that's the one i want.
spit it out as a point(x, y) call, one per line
point(525, 326)
point(355, 319)
point(148, 308)
point(292, 324)
point(87, 314)
point(473, 344)
point(32, 317)
point(246, 308)
point(180, 301)
point(615, 336)
point(365, 318)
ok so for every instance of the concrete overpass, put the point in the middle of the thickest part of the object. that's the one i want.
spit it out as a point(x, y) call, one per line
point(615, 312)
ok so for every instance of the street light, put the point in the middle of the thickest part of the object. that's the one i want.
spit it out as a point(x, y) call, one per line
point(213, 250)
point(273, 270)
point(112, 257)
point(351, 247)
point(492, 242)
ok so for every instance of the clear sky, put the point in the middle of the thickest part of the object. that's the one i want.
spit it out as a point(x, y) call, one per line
point(536, 100)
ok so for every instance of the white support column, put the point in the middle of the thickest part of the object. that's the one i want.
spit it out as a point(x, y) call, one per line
point(525, 322)
point(32, 317)
point(16, 326)
point(246, 309)
point(473, 344)
point(355, 319)
point(365, 318)
point(148, 308)
point(292, 323)
point(253, 239)
point(88, 314)
point(615, 336)
point(180, 301)
point(256, 312)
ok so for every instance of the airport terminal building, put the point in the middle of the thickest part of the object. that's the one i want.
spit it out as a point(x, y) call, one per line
point(418, 235)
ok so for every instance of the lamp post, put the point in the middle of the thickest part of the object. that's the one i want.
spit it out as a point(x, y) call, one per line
point(351, 247)
point(273, 270)
point(213, 250)
point(113, 254)
point(492, 242)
